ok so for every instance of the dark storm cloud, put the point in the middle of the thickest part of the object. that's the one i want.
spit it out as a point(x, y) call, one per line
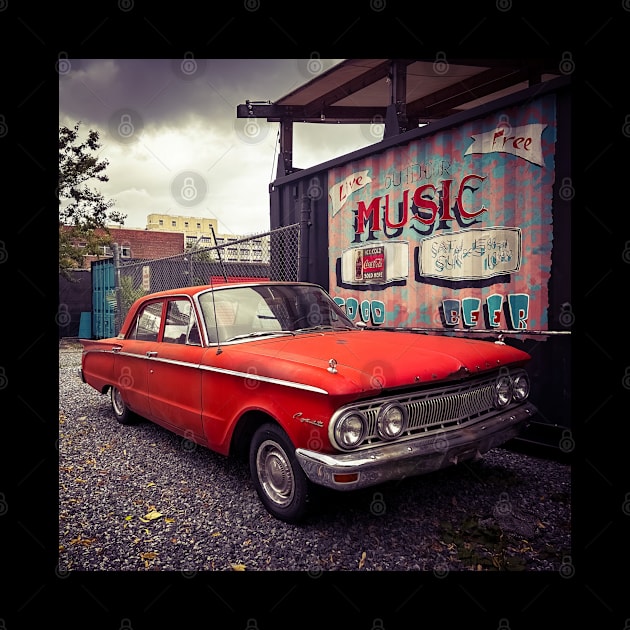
point(168, 92)
point(160, 120)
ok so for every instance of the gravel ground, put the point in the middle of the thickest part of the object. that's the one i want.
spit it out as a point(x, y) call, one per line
point(139, 498)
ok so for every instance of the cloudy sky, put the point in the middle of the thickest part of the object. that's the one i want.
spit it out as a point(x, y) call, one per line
point(169, 131)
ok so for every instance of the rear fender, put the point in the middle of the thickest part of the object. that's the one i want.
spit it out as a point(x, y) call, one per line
point(97, 364)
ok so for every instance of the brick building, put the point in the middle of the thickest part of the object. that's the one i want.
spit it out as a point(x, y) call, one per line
point(141, 244)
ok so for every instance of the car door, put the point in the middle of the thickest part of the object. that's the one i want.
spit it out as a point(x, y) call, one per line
point(132, 357)
point(174, 377)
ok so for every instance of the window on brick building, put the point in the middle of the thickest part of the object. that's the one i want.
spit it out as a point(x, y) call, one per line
point(173, 223)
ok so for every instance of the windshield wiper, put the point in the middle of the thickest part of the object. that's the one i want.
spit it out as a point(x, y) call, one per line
point(260, 333)
point(322, 327)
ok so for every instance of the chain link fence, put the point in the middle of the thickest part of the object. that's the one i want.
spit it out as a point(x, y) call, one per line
point(273, 255)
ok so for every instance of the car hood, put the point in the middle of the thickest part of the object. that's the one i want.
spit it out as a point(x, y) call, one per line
point(368, 360)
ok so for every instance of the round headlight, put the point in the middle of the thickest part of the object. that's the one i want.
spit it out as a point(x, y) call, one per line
point(350, 429)
point(503, 391)
point(392, 421)
point(520, 386)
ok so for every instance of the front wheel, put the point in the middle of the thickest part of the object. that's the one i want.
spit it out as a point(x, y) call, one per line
point(122, 413)
point(278, 478)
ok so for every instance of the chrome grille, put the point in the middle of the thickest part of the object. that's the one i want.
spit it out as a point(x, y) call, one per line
point(436, 408)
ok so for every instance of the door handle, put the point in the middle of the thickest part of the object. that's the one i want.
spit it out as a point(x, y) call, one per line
point(152, 353)
point(116, 348)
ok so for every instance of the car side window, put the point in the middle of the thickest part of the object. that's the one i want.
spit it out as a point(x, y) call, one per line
point(177, 321)
point(147, 325)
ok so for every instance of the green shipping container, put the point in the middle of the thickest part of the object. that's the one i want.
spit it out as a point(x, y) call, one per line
point(103, 299)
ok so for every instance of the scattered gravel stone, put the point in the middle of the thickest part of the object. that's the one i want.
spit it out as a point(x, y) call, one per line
point(139, 498)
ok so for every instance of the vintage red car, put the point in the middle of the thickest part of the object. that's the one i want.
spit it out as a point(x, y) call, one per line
point(277, 373)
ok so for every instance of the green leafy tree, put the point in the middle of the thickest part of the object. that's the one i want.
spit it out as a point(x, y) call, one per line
point(83, 211)
point(128, 293)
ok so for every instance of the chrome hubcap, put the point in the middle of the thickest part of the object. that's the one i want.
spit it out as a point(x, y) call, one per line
point(274, 472)
point(117, 402)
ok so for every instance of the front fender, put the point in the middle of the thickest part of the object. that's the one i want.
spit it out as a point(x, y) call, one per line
point(303, 415)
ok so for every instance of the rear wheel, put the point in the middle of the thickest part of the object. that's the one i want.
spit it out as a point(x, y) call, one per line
point(278, 478)
point(119, 406)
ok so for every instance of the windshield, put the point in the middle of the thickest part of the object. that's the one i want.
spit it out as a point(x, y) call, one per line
point(254, 311)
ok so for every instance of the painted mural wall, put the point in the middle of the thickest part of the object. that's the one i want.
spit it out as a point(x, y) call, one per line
point(453, 230)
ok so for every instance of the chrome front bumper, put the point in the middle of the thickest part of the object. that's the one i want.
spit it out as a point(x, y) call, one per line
point(415, 456)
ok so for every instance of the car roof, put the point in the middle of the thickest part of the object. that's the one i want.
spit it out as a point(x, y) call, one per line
point(193, 290)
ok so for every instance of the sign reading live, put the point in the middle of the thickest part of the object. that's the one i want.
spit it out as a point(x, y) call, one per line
point(453, 229)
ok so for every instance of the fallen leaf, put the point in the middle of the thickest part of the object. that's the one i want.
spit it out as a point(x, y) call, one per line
point(215, 534)
point(151, 483)
point(149, 555)
point(151, 516)
point(79, 540)
point(169, 520)
point(362, 561)
point(238, 567)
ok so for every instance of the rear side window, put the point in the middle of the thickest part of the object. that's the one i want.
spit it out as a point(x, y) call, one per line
point(147, 324)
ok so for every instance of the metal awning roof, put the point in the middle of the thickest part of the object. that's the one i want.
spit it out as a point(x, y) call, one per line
point(400, 93)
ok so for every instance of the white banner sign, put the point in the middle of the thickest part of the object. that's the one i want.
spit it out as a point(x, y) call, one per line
point(339, 193)
point(473, 254)
point(524, 142)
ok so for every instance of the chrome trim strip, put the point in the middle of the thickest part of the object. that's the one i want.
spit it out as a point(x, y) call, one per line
point(247, 375)
point(266, 379)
